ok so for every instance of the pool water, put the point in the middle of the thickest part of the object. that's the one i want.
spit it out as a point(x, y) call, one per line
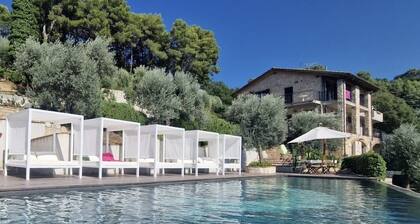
point(257, 200)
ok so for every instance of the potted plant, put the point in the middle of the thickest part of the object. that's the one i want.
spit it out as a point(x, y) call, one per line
point(261, 167)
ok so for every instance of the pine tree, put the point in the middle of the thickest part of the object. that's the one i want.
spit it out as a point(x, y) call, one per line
point(23, 23)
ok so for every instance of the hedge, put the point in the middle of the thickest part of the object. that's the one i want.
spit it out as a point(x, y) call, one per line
point(122, 111)
point(368, 164)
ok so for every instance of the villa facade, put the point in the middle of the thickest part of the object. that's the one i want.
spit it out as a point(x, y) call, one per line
point(342, 93)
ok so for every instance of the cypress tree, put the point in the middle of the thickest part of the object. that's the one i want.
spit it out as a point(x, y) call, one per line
point(23, 23)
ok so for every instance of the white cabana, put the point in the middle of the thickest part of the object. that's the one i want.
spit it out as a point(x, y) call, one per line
point(201, 150)
point(98, 152)
point(230, 152)
point(38, 139)
point(162, 147)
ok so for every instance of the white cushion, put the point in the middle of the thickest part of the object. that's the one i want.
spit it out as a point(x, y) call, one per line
point(93, 158)
point(188, 161)
point(47, 158)
point(146, 160)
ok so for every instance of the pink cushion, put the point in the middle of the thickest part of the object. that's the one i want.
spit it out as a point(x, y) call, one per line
point(107, 156)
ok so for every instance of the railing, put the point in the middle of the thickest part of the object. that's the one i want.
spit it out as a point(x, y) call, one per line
point(377, 116)
point(309, 96)
point(327, 95)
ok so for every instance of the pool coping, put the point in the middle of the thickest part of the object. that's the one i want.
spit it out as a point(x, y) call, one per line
point(139, 182)
point(401, 189)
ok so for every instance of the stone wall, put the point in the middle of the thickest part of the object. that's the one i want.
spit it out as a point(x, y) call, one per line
point(304, 85)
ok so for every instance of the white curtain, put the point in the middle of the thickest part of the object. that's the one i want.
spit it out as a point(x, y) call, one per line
point(17, 134)
point(147, 146)
point(190, 145)
point(232, 148)
point(92, 139)
point(131, 143)
point(212, 148)
point(173, 147)
point(77, 138)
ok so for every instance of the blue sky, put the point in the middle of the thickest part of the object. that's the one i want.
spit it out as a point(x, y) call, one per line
point(382, 37)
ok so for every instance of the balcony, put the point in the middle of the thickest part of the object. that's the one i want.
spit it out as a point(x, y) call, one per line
point(377, 116)
point(309, 96)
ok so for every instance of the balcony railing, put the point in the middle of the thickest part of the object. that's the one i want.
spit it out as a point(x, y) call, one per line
point(377, 116)
point(309, 96)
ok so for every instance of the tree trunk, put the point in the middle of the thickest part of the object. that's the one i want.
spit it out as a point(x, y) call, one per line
point(260, 156)
point(131, 60)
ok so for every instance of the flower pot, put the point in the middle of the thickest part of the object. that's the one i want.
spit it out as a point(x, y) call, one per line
point(261, 170)
point(401, 180)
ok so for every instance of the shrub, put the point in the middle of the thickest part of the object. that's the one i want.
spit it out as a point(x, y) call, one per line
point(259, 164)
point(122, 111)
point(368, 164)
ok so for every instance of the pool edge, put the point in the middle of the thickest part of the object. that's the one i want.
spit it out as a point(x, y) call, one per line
point(156, 182)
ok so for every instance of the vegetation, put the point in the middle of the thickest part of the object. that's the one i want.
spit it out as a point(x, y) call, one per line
point(217, 124)
point(402, 152)
point(4, 21)
point(395, 111)
point(302, 122)
point(398, 100)
point(261, 164)
point(122, 111)
point(156, 93)
point(262, 121)
point(136, 39)
point(368, 164)
point(61, 77)
point(23, 23)
point(192, 50)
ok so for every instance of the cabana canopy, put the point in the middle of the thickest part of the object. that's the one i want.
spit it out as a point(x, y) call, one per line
point(320, 133)
point(205, 156)
point(23, 126)
point(230, 152)
point(162, 147)
point(97, 144)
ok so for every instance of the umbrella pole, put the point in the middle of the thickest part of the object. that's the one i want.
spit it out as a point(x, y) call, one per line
point(323, 150)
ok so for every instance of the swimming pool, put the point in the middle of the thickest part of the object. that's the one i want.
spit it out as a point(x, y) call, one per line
point(257, 200)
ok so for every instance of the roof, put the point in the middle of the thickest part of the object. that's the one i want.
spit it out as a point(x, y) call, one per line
point(334, 74)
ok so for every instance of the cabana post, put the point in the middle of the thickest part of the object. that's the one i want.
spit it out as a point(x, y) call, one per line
point(31, 141)
point(162, 147)
point(230, 152)
point(205, 156)
point(127, 142)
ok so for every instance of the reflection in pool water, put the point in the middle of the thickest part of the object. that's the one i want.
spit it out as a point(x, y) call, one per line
point(259, 200)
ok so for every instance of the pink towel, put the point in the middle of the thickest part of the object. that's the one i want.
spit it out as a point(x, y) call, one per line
point(348, 95)
point(107, 156)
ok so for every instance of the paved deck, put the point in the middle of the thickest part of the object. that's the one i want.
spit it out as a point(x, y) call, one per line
point(18, 185)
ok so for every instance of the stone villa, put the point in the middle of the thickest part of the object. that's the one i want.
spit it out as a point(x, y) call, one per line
point(342, 93)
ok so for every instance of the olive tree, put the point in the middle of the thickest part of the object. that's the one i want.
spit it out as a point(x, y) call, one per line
point(193, 99)
point(155, 92)
point(167, 97)
point(262, 121)
point(60, 77)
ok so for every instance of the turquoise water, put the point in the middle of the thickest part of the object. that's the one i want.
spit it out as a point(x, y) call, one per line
point(261, 200)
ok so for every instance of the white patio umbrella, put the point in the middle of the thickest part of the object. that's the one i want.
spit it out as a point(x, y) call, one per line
point(320, 133)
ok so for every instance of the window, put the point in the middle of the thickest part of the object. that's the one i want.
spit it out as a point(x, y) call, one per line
point(262, 92)
point(288, 95)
